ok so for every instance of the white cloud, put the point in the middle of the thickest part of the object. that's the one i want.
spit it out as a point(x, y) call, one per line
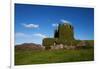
point(64, 21)
point(29, 38)
point(40, 35)
point(54, 25)
point(31, 25)
point(20, 34)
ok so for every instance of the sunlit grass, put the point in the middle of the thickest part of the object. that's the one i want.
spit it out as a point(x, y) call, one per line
point(52, 56)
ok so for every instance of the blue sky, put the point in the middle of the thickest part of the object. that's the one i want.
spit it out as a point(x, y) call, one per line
point(35, 22)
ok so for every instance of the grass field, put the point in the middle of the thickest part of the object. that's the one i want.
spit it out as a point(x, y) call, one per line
point(57, 56)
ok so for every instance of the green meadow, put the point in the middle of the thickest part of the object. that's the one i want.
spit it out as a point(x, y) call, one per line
point(25, 57)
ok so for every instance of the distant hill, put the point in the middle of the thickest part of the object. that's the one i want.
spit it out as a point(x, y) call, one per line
point(29, 46)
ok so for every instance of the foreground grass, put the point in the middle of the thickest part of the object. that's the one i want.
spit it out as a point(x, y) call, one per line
point(57, 56)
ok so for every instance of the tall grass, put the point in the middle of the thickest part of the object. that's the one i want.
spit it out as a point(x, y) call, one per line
point(52, 56)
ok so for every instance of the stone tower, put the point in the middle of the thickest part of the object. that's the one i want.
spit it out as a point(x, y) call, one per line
point(63, 35)
point(65, 32)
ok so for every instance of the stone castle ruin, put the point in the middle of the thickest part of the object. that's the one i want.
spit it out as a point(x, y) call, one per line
point(64, 38)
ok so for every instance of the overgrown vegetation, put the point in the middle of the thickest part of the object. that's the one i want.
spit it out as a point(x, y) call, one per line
point(62, 35)
point(47, 42)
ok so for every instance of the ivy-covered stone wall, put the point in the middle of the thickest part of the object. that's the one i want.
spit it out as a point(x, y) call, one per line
point(62, 35)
